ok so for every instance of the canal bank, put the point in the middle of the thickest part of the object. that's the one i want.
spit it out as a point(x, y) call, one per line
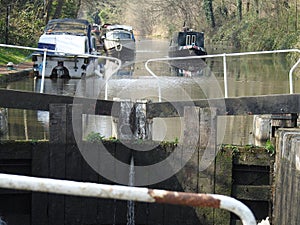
point(15, 72)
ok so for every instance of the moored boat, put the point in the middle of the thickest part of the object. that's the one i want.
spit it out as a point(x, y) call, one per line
point(73, 43)
point(119, 41)
point(187, 43)
point(184, 44)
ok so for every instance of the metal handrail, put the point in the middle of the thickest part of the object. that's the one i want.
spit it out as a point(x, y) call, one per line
point(224, 56)
point(127, 193)
point(45, 50)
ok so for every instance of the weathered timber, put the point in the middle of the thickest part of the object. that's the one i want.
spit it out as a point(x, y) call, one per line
point(257, 105)
point(40, 168)
point(41, 101)
point(254, 156)
point(57, 160)
point(253, 192)
point(252, 179)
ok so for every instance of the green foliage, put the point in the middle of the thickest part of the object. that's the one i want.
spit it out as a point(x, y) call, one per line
point(270, 147)
point(234, 149)
point(70, 9)
point(170, 143)
point(28, 18)
point(94, 137)
point(208, 9)
point(255, 34)
point(269, 25)
point(25, 25)
point(104, 15)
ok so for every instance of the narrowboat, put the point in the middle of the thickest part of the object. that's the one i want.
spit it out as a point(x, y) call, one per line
point(184, 44)
point(187, 43)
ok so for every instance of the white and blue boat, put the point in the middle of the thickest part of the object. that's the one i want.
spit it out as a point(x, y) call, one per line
point(72, 45)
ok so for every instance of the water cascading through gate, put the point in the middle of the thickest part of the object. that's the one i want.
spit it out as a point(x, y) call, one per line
point(130, 204)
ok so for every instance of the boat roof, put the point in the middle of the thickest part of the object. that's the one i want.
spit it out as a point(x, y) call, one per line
point(83, 21)
point(190, 32)
point(119, 27)
point(74, 26)
point(68, 20)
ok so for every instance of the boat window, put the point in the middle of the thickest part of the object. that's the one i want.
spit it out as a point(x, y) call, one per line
point(188, 40)
point(113, 35)
point(66, 27)
point(86, 46)
point(193, 39)
point(93, 42)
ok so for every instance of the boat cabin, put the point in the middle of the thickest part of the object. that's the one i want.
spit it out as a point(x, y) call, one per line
point(188, 38)
point(73, 42)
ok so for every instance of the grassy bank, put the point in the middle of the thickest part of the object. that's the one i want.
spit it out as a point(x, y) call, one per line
point(14, 55)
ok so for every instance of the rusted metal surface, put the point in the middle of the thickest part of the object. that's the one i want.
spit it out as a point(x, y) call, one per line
point(183, 198)
point(127, 193)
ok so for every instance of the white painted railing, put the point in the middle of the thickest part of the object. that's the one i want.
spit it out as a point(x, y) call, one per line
point(224, 56)
point(44, 50)
point(127, 193)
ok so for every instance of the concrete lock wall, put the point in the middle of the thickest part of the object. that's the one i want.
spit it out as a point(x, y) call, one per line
point(287, 177)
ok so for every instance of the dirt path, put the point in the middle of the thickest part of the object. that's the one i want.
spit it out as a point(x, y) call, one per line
point(16, 68)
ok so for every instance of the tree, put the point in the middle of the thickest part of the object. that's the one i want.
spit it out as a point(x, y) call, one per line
point(58, 9)
point(208, 8)
point(239, 9)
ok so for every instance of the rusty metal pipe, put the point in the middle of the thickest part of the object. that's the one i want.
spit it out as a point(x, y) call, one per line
point(127, 193)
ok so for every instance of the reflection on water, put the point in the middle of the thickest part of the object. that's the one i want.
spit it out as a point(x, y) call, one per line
point(247, 75)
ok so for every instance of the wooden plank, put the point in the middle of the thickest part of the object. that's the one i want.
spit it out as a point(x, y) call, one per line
point(256, 156)
point(4, 191)
point(156, 214)
point(56, 208)
point(58, 123)
point(57, 160)
point(251, 175)
point(15, 209)
point(122, 154)
point(223, 183)
point(120, 212)
point(73, 208)
point(175, 210)
point(107, 211)
point(89, 205)
point(41, 101)
point(74, 123)
point(15, 150)
point(141, 212)
point(40, 168)
point(106, 208)
point(252, 192)
point(257, 105)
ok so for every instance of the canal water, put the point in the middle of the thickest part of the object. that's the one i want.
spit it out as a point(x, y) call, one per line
point(247, 76)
